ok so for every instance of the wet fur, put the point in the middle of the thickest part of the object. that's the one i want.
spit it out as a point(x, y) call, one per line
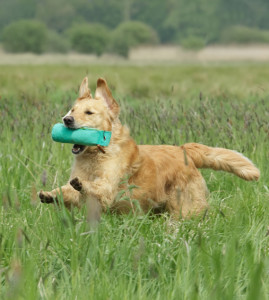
point(167, 177)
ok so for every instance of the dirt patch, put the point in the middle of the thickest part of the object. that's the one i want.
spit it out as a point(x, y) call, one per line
point(208, 54)
point(146, 55)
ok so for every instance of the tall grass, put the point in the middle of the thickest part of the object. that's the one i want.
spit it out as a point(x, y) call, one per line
point(51, 253)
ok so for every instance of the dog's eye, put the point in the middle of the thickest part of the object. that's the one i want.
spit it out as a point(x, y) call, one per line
point(87, 112)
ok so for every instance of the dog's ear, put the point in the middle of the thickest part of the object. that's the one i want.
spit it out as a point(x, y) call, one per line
point(84, 90)
point(103, 92)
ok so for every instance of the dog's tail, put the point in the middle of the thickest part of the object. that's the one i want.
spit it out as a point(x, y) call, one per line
point(221, 159)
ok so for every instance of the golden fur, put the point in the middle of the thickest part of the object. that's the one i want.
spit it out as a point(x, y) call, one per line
point(167, 177)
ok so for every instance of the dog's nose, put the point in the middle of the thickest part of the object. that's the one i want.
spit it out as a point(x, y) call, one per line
point(68, 120)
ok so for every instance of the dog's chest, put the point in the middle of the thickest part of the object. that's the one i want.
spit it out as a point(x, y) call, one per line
point(93, 166)
point(87, 169)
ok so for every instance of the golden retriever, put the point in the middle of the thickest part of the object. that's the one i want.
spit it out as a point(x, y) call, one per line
point(166, 177)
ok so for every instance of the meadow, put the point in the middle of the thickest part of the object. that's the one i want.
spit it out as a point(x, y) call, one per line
point(48, 252)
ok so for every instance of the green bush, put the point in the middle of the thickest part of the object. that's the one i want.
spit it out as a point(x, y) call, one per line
point(131, 34)
point(193, 43)
point(89, 38)
point(244, 35)
point(57, 43)
point(25, 36)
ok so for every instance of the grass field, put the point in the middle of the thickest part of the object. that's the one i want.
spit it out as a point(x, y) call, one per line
point(51, 253)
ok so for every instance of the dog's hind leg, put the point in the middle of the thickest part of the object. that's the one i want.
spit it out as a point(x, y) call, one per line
point(122, 207)
point(189, 201)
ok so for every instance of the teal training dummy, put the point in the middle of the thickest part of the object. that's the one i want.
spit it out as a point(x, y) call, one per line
point(82, 136)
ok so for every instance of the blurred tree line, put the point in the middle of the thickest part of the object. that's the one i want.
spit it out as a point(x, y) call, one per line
point(189, 23)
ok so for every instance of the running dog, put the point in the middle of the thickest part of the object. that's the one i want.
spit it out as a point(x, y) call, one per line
point(166, 178)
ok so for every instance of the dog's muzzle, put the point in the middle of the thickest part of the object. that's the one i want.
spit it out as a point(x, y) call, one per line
point(69, 121)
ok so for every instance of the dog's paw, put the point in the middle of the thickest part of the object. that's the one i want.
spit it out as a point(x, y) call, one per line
point(46, 197)
point(76, 184)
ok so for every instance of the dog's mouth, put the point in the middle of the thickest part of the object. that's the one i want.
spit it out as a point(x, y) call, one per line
point(77, 149)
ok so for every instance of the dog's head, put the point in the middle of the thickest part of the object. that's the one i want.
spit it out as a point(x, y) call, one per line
point(97, 112)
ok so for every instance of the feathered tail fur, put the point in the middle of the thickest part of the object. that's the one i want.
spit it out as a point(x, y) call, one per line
point(222, 159)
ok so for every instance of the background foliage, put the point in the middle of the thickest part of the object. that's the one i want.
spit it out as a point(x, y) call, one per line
point(89, 38)
point(175, 21)
point(131, 34)
point(25, 36)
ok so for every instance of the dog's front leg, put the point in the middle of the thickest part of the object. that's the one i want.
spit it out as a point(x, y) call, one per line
point(99, 189)
point(71, 197)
